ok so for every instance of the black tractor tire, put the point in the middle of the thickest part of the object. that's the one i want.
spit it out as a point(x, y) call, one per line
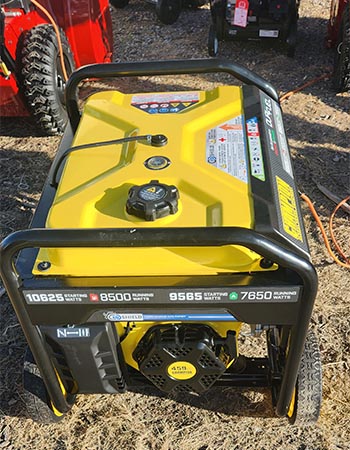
point(119, 3)
point(306, 402)
point(43, 82)
point(213, 41)
point(341, 75)
point(168, 11)
point(38, 405)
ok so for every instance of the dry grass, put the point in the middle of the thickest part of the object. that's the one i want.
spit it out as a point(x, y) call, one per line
point(318, 128)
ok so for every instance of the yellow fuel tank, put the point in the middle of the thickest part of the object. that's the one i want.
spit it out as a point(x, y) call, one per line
point(204, 157)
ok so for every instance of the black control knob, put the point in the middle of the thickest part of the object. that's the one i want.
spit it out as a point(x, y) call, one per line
point(152, 201)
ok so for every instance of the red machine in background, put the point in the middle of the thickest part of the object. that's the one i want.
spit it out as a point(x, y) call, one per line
point(339, 38)
point(41, 42)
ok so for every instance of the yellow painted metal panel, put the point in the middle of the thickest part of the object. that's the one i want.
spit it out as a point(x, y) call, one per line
point(94, 185)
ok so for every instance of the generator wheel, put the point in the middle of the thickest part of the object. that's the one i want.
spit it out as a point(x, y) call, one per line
point(213, 41)
point(119, 3)
point(168, 11)
point(341, 78)
point(43, 82)
point(305, 405)
point(37, 402)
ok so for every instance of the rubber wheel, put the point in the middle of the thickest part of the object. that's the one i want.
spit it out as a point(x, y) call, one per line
point(213, 41)
point(341, 78)
point(37, 402)
point(119, 3)
point(305, 406)
point(219, 20)
point(43, 83)
point(168, 11)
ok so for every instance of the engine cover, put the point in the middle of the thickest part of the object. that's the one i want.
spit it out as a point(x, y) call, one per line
point(184, 358)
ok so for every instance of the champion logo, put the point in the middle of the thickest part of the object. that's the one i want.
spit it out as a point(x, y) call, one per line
point(94, 297)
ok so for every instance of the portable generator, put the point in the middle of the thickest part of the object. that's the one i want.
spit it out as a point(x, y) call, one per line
point(167, 221)
point(272, 20)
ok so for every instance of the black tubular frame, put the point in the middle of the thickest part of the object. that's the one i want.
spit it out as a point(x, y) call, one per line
point(156, 237)
point(153, 68)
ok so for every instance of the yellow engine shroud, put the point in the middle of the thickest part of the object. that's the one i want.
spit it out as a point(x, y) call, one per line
point(208, 162)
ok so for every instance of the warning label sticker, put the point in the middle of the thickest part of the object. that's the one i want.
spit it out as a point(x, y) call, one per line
point(277, 140)
point(225, 148)
point(289, 212)
point(255, 153)
point(282, 140)
point(164, 103)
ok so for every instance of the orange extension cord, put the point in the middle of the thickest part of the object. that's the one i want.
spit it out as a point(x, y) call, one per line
point(345, 264)
point(300, 88)
point(51, 19)
point(346, 259)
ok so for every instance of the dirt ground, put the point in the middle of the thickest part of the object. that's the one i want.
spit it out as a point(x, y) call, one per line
point(317, 123)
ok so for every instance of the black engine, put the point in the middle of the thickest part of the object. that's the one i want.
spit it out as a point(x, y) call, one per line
point(184, 358)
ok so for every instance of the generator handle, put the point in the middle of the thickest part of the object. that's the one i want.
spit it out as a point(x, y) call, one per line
point(156, 237)
point(152, 68)
point(153, 237)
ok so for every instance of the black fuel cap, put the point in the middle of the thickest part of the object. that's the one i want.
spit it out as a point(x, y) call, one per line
point(152, 201)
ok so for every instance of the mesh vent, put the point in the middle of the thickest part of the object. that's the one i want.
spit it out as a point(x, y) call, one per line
point(183, 388)
point(193, 345)
point(178, 351)
point(155, 361)
point(208, 380)
point(207, 361)
point(158, 380)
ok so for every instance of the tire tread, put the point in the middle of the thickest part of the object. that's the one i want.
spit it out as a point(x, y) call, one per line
point(39, 52)
point(309, 384)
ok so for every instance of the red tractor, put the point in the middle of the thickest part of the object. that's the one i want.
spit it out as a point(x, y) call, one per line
point(339, 37)
point(41, 43)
